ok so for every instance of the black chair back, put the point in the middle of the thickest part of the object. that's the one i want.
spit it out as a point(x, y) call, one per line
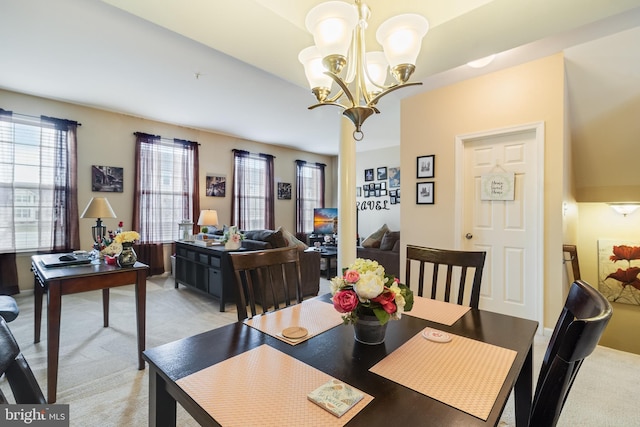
point(460, 260)
point(582, 321)
point(23, 384)
point(270, 278)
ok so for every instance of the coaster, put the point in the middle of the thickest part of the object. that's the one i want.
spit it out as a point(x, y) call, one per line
point(295, 332)
point(436, 336)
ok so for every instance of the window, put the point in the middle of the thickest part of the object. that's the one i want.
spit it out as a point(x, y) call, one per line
point(253, 192)
point(166, 187)
point(310, 193)
point(38, 196)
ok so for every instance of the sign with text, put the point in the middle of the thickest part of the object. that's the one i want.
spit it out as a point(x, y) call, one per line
point(497, 186)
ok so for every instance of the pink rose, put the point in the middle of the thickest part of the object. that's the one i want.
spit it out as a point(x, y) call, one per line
point(387, 301)
point(351, 276)
point(345, 301)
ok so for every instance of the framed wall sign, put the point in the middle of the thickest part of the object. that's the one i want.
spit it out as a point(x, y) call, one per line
point(425, 166)
point(424, 193)
point(497, 186)
point(107, 178)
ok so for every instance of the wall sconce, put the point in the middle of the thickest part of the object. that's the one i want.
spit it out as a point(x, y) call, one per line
point(625, 209)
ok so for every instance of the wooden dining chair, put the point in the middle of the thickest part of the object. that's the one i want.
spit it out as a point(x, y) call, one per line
point(459, 261)
point(13, 365)
point(270, 279)
point(581, 323)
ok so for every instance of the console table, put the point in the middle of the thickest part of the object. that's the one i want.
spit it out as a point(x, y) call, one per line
point(207, 269)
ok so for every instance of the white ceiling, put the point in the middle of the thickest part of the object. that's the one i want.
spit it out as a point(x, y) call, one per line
point(231, 66)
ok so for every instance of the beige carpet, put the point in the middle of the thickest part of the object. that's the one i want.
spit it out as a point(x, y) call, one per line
point(99, 379)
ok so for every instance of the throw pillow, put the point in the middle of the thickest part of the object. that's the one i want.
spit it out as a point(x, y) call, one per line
point(277, 239)
point(292, 240)
point(389, 239)
point(396, 247)
point(375, 238)
point(274, 238)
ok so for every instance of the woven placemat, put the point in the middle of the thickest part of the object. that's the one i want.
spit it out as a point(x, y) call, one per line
point(437, 311)
point(463, 373)
point(265, 387)
point(314, 315)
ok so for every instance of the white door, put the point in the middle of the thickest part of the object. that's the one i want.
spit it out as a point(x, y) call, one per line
point(509, 231)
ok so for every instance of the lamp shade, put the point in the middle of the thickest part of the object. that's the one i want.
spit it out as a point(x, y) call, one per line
point(314, 70)
point(98, 207)
point(401, 38)
point(208, 217)
point(376, 70)
point(332, 24)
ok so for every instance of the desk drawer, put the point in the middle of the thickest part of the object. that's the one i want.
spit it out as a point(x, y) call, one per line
point(214, 262)
point(203, 258)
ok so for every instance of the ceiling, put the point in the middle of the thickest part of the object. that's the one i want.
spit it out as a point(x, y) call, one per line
point(231, 66)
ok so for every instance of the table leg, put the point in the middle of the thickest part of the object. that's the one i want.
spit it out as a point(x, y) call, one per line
point(38, 291)
point(53, 338)
point(141, 298)
point(523, 391)
point(162, 407)
point(105, 307)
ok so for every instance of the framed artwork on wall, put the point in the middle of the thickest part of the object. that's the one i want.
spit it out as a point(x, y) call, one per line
point(382, 173)
point(424, 193)
point(107, 179)
point(425, 166)
point(394, 177)
point(284, 190)
point(368, 174)
point(216, 185)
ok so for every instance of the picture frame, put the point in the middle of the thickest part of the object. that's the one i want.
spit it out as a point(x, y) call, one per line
point(383, 185)
point(381, 173)
point(368, 174)
point(394, 177)
point(425, 166)
point(358, 191)
point(284, 191)
point(216, 185)
point(425, 193)
point(107, 179)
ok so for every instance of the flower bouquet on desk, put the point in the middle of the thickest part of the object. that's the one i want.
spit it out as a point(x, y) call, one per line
point(369, 298)
point(127, 257)
point(232, 238)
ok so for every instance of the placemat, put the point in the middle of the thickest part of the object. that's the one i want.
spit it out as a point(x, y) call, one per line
point(265, 387)
point(437, 311)
point(313, 314)
point(463, 373)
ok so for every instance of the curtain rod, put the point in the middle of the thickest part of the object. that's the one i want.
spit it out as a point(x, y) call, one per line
point(40, 117)
point(166, 139)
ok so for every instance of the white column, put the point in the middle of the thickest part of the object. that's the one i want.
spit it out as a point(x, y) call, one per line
point(346, 195)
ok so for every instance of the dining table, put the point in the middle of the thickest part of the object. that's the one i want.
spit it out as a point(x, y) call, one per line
point(223, 376)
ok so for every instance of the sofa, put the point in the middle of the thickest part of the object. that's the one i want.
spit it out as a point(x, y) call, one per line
point(257, 240)
point(383, 246)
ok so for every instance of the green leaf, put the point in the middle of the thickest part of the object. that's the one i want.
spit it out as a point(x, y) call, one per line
point(382, 315)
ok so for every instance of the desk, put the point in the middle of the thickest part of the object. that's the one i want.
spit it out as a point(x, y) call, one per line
point(58, 281)
point(336, 353)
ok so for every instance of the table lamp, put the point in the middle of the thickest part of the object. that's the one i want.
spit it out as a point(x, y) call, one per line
point(208, 217)
point(98, 208)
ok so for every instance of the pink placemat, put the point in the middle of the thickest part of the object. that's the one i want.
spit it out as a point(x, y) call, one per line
point(313, 314)
point(265, 387)
point(463, 373)
point(437, 311)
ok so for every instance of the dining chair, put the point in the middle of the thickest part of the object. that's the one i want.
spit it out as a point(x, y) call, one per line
point(8, 308)
point(13, 365)
point(269, 278)
point(459, 261)
point(584, 317)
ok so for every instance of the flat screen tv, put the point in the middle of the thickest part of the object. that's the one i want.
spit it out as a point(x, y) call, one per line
point(325, 220)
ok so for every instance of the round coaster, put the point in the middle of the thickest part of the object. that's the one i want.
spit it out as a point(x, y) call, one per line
point(435, 335)
point(295, 332)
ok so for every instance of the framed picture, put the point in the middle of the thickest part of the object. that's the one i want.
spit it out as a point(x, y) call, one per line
point(424, 193)
point(358, 191)
point(284, 190)
point(383, 185)
point(366, 193)
point(382, 173)
point(425, 166)
point(368, 174)
point(394, 177)
point(377, 186)
point(216, 185)
point(107, 178)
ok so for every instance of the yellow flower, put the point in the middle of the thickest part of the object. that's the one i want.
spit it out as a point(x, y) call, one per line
point(127, 236)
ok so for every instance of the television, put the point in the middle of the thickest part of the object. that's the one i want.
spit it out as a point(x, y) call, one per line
point(325, 220)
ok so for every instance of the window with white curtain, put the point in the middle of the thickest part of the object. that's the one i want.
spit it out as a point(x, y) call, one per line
point(309, 193)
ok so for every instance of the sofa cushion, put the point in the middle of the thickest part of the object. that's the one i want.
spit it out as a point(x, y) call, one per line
point(396, 246)
point(292, 240)
point(274, 238)
point(389, 240)
point(375, 238)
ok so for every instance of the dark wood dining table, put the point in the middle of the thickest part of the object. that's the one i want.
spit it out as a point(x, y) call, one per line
point(336, 353)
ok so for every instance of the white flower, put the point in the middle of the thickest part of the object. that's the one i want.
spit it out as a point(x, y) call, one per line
point(336, 284)
point(369, 286)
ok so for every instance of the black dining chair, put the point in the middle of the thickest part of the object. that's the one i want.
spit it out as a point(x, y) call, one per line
point(270, 278)
point(13, 365)
point(582, 321)
point(459, 261)
point(8, 308)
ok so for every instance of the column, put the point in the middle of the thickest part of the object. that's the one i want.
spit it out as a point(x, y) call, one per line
point(346, 195)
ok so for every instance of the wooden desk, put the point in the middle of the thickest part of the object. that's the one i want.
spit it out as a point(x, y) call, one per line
point(336, 353)
point(58, 281)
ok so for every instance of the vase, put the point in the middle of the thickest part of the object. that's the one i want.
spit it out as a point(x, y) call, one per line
point(232, 246)
point(368, 330)
point(128, 256)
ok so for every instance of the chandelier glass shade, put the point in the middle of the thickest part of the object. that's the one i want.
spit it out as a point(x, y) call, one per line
point(339, 56)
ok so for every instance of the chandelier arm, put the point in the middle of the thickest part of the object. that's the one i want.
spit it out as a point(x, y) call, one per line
point(311, 107)
point(343, 86)
point(336, 97)
point(391, 89)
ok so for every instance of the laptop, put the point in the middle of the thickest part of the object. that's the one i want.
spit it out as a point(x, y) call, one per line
point(64, 260)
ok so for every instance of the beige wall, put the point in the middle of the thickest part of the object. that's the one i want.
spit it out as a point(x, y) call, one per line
point(107, 139)
point(532, 92)
point(599, 221)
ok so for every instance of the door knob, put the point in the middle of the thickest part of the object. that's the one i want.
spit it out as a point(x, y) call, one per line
point(468, 236)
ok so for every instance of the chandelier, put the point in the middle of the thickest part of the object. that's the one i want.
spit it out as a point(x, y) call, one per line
point(339, 56)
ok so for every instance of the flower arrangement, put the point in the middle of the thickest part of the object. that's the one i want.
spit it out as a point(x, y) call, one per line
point(364, 288)
point(232, 235)
point(127, 237)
